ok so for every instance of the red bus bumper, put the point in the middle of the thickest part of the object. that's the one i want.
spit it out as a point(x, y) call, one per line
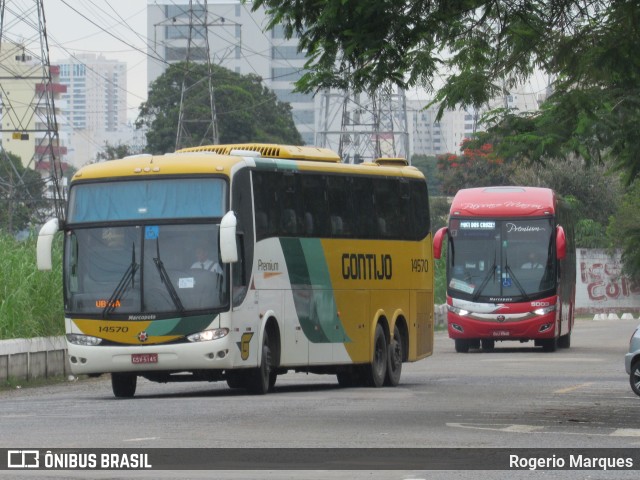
point(523, 329)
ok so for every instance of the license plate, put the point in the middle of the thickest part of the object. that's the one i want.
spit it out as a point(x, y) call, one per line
point(501, 333)
point(138, 358)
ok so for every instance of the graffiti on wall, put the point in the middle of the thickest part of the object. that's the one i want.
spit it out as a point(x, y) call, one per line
point(600, 285)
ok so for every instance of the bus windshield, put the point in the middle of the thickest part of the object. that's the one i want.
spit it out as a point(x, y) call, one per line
point(163, 270)
point(494, 260)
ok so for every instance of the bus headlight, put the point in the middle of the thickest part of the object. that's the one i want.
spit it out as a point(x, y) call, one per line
point(458, 311)
point(545, 310)
point(86, 340)
point(208, 335)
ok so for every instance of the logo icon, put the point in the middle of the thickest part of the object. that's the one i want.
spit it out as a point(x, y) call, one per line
point(23, 459)
point(143, 337)
point(501, 318)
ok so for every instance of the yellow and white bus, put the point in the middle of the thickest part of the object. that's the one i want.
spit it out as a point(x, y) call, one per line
point(243, 262)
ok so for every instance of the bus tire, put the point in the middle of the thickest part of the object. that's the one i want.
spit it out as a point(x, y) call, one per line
point(394, 359)
point(377, 369)
point(462, 345)
point(259, 381)
point(124, 384)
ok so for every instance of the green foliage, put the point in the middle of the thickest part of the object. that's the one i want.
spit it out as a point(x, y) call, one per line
point(113, 152)
point(439, 208)
point(30, 300)
point(624, 230)
point(21, 194)
point(589, 49)
point(428, 165)
point(593, 192)
point(440, 278)
point(246, 110)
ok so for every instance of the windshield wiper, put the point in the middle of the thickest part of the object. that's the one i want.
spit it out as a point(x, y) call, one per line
point(515, 280)
point(164, 277)
point(485, 280)
point(127, 279)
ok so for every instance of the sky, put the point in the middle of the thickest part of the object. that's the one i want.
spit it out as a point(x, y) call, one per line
point(116, 29)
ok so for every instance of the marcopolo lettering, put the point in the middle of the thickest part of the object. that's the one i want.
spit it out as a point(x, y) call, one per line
point(366, 266)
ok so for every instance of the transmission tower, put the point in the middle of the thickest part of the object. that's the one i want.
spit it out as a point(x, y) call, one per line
point(363, 127)
point(197, 49)
point(28, 127)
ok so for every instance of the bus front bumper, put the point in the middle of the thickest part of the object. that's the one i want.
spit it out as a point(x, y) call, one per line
point(210, 355)
point(523, 328)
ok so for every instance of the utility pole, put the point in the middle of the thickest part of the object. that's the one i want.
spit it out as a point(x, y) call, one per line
point(197, 45)
point(363, 127)
point(29, 127)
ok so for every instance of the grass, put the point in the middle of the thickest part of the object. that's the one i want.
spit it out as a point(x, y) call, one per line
point(30, 300)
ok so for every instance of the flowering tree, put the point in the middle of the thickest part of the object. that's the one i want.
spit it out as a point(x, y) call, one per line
point(477, 166)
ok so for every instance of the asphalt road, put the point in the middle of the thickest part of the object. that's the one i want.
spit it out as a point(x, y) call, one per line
point(514, 397)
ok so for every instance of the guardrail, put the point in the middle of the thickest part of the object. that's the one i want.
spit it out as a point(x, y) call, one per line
point(33, 358)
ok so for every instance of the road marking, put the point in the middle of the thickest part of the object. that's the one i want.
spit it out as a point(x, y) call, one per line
point(517, 428)
point(141, 439)
point(513, 428)
point(626, 432)
point(573, 388)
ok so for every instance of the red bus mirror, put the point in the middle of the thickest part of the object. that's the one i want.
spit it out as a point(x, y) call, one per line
point(437, 242)
point(561, 243)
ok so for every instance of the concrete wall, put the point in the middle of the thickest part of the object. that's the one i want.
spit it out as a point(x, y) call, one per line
point(600, 285)
point(29, 359)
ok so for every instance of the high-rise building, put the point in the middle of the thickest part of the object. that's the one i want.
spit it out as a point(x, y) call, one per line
point(94, 107)
point(23, 108)
point(238, 41)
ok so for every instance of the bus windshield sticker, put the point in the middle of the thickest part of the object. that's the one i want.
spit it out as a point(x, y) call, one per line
point(151, 232)
point(186, 282)
point(461, 285)
point(477, 225)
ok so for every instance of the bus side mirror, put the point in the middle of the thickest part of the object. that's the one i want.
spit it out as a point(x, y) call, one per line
point(228, 245)
point(45, 240)
point(561, 243)
point(437, 242)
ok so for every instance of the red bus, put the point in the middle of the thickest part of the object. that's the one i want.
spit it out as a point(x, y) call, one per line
point(510, 268)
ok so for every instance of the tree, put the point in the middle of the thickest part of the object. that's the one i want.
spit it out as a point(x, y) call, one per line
point(246, 110)
point(590, 47)
point(21, 193)
point(428, 165)
point(113, 152)
point(476, 167)
point(624, 231)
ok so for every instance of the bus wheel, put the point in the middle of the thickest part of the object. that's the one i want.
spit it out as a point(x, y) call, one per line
point(124, 384)
point(488, 344)
point(377, 370)
point(260, 380)
point(462, 345)
point(394, 360)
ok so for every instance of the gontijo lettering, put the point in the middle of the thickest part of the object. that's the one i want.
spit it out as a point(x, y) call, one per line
point(366, 266)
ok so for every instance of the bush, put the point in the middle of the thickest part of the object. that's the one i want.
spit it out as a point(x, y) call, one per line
point(30, 300)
